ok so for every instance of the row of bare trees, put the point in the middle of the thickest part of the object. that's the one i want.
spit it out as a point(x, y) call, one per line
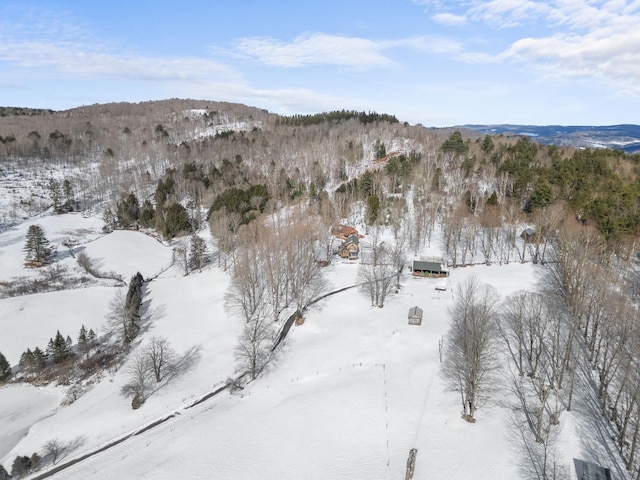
point(470, 357)
point(596, 287)
point(382, 264)
point(275, 268)
point(537, 337)
point(498, 233)
point(153, 366)
point(582, 322)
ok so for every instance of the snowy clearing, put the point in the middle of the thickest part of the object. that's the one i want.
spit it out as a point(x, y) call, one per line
point(355, 389)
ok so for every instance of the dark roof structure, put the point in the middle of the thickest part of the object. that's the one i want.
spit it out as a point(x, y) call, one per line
point(591, 471)
point(430, 267)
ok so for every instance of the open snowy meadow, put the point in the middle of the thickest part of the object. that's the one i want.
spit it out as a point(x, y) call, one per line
point(355, 387)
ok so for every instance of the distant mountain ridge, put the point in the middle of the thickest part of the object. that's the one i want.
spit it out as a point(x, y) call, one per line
point(625, 137)
point(5, 111)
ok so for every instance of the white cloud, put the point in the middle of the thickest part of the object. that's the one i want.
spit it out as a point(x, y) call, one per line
point(83, 61)
point(601, 54)
point(508, 13)
point(317, 49)
point(596, 39)
point(600, 42)
point(449, 19)
point(433, 44)
point(48, 43)
point(356, 53)
point(574, 14)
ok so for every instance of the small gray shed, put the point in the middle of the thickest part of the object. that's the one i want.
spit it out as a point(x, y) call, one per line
point(415, 316)
point(424, 268)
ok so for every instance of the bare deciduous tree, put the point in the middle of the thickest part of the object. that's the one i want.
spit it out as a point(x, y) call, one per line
point(254, 351)
point(377, 273)
point(470, 353)
point(152, 367)
point(248, 299)
point(247, 292)
point(181, 255)
point(224, 228)
point(523, 327)
point(304, 276)
point(54, 449)
point(140, 377)
point(118, 318)
point(161, 357)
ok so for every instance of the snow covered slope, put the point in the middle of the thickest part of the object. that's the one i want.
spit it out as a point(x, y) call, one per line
point(356, 387)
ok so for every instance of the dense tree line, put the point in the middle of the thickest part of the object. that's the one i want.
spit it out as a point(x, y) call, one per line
point(335, 116)
point(125, 315)
point(248, 203)
point(274, 269)
point(6, 111)
point(583, 312)
point(60, 357)
point(533, 176)
point(168, 217)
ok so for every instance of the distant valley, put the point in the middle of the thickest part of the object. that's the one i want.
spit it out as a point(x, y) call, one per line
point(618, 137)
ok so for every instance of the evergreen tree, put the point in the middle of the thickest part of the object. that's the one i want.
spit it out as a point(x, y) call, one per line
point(176, 220)
point(35, 461)
point(147, 215)
point(5, 369)
point(366, 184)
point(198, 257)
point(455, 144)
point(163, 191)
point(37, 248)
point(128, 211)
point(27, 361)
point(379, 149)
point(33, 360)
point(54, 190)
point(92, 337)
point(50, 348)
point(83, 341)
point(82, 336)
point(373, 209)
point(487, 144)
point(59, 348)
point(67, 188)
point(540, 197)
point(20, 466)
point(39, 359)
point(493, 199)
point(132, 305)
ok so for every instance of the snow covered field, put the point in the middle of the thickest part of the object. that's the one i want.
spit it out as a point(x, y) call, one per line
point(356, 387)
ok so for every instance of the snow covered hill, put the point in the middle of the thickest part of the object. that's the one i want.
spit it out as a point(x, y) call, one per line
point(355, 389)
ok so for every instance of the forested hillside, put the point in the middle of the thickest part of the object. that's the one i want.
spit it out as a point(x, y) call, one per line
point(191, 152)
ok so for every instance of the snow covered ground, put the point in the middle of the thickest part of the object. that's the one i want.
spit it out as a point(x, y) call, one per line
point(355, 389)
point(23, 406)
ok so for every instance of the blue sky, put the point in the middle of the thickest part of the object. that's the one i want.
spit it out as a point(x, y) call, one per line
point(433, 62)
